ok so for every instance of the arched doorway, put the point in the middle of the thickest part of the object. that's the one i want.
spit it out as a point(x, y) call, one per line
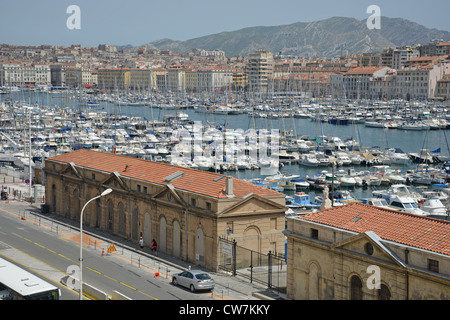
point(53, 198)
point(98, 218)
point(147, 232)
point(313, 282)
point(252, 239)
point(176, 239)
point(135, 224)
point(122, 219)
point(66, 204)
point(110, 219)
point(200, 246)
point(162, 234)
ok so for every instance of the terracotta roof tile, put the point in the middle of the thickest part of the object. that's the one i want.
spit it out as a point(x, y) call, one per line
point(405, 228)
point(193, 180)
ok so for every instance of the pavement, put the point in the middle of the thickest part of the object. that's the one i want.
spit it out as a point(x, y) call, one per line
point(228, 287)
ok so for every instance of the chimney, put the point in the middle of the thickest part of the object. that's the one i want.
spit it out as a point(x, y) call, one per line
point(229, 187)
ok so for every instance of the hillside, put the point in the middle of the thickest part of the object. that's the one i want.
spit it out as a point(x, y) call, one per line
point(326, 38)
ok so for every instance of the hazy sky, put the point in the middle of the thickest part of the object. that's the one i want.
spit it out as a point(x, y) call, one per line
point(137, 22)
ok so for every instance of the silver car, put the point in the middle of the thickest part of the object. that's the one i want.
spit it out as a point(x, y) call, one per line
point(194, 280)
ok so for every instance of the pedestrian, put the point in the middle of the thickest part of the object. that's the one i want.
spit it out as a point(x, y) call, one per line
point(154, 247)
point(141, 243)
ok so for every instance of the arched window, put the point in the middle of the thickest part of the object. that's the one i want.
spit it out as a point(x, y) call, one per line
point(384, 293)
point(355, 288)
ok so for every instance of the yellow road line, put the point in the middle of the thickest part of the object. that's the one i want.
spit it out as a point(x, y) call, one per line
point(39, 245)
point(127, 285)
point(93, 270)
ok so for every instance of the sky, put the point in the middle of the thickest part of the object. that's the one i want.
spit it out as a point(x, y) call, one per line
point(137, 22)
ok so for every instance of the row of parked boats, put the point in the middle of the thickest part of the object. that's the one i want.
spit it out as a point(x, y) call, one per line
point(400, 197)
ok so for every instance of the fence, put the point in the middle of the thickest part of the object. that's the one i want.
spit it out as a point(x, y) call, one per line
point(265, 269)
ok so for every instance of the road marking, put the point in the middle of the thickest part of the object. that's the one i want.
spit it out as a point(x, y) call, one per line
point(145, 294)
point(110, 278)
point(127, 285)
point(93, 270)
point(39, 245)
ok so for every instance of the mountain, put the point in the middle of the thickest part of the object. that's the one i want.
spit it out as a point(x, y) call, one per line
point(325, 38)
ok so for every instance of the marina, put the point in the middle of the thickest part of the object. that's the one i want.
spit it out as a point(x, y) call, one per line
point(354, 148)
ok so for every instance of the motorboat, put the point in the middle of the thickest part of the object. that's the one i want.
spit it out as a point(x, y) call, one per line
point(347, 181)
point(378, 202)
point(434, 208)
point(397, 156)
point(309, 160)
point(405, 204)
point(300, 184)
point(303, 199)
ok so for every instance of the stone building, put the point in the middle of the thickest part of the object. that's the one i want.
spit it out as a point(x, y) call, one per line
point(361, 252)
point(185, 210)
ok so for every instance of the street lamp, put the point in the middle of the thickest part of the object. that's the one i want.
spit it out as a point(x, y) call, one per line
point(104, 193)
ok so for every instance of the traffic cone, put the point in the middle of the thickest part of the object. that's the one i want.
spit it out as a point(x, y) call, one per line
point(103, 252)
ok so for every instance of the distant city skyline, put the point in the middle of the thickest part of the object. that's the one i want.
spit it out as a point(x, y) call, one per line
point(137, 22)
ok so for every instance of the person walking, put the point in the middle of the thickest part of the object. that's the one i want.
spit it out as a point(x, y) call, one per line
point(154, 247)
point(141, 243)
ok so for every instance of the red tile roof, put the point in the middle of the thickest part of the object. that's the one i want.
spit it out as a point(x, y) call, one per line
point(364, 70)
point(405, 228)
point(197, 181)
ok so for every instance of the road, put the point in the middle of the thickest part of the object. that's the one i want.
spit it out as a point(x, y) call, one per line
point(49, 251)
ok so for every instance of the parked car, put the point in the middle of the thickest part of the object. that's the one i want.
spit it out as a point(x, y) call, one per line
point(194, 280)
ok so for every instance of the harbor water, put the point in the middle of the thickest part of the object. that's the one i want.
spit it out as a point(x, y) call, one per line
point(408, 141)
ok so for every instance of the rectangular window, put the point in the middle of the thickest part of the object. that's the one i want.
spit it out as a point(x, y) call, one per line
point(208, 205)
point(314, 233)
point(193, 202)
point(138, 188)
point(145, 190)
point(433, 265)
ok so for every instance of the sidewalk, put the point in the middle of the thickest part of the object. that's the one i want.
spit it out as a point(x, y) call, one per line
point(227, 286)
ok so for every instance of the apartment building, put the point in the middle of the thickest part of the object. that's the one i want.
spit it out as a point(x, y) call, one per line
point(260, 68)
point(214, 78)
point(11, 73)
point(176, 79)
point(357, 81)
point(140, 79)
point(419, 81)
point(80, 77)
point(435, 48)
point(113, 78)
point(443, 89)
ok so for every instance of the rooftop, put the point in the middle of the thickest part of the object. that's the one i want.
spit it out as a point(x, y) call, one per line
point(193, 180)
point(404, 228)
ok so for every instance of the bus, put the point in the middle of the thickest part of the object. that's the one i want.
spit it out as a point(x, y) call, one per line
point(19, 284)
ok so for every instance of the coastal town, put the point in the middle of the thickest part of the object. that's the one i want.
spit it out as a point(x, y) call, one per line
point(414, 72)
point(307, 172)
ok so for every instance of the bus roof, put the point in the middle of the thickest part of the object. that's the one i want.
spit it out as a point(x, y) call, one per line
point(22, 281)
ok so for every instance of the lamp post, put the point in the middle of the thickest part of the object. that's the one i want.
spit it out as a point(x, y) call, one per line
point(104, 193)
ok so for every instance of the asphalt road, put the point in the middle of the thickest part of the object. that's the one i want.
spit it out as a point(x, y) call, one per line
point(51, 251)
